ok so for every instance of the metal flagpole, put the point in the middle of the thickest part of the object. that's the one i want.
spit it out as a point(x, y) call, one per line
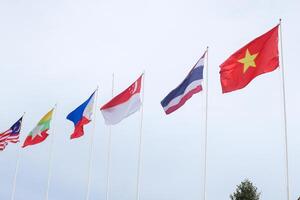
point(16, 174)
point(50, 156)
point(206, 111)
point(109, 147)
point(92, 146)
point(284, 115)
point(140, 143)
point(17, 169)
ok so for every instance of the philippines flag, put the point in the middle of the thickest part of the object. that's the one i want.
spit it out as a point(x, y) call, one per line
point(124, 104)
point(189, 86)
point(11, 135)
point(82, 116)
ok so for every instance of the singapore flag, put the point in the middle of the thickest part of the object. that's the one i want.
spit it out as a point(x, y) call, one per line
point(124, 104)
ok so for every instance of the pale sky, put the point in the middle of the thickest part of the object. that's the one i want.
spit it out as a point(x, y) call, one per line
point(59, 51)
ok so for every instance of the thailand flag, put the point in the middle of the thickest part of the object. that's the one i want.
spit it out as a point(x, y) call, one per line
point(189, 86)
point(82, 116)
point(124, 104)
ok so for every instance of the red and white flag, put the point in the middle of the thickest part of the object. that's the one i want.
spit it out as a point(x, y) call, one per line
point(124, 104)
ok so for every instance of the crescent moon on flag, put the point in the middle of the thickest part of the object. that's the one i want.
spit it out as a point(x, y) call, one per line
point(16, 128)
point(135, 88)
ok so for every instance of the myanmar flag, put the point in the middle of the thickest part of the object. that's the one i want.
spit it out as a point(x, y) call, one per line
point(257, 57)
point(39, 133)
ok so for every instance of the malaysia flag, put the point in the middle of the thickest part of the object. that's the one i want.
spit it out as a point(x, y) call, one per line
point(187, 88)
point(11, 135)
point(81, 116)
point(124, 104)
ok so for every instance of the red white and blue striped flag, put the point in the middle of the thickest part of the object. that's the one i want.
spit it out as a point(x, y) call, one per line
point(11, 135)
point(187, 88)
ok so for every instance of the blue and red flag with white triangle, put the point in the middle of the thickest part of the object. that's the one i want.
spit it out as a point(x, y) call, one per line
point(82, 116)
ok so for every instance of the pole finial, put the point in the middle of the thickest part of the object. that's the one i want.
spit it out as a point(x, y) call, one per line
point(206, 49)
point(97, 88)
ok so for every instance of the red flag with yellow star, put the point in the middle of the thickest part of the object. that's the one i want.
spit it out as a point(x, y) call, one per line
point(257, 57)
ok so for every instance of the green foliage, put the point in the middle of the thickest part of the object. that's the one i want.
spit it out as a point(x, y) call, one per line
point(245, 191)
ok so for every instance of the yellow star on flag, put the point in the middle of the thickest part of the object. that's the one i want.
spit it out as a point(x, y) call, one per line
point(248, 60)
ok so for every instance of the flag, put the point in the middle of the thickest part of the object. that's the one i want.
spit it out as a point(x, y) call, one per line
point(187, 88)
point(11, 135)
point(82, 116)
point(124, 104)
point(257, 57)
point(40, 132)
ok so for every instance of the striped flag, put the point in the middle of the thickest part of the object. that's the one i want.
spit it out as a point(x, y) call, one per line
point(40, 132)
point(11, 135)
point(189, 86)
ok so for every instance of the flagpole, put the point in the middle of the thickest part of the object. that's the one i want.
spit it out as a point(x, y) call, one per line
point(140, 143)
point(284, 115)
point(92, 147)
point(16, 174)
point(109, 147)
point(50, 156)
point(16, 169)
point(205, 139)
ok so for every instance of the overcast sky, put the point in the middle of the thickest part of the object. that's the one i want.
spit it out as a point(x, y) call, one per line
point(59, 51)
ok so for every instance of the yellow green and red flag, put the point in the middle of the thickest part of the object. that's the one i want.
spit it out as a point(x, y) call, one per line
point(39, 133)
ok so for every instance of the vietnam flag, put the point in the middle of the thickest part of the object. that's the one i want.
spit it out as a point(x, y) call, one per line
point(257, 57)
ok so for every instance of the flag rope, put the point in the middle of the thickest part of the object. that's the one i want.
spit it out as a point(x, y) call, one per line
point(88, 190)
point(50, 155)
point(109, 147)
point(284, 115)
point(140, 144)
point(205, 132)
